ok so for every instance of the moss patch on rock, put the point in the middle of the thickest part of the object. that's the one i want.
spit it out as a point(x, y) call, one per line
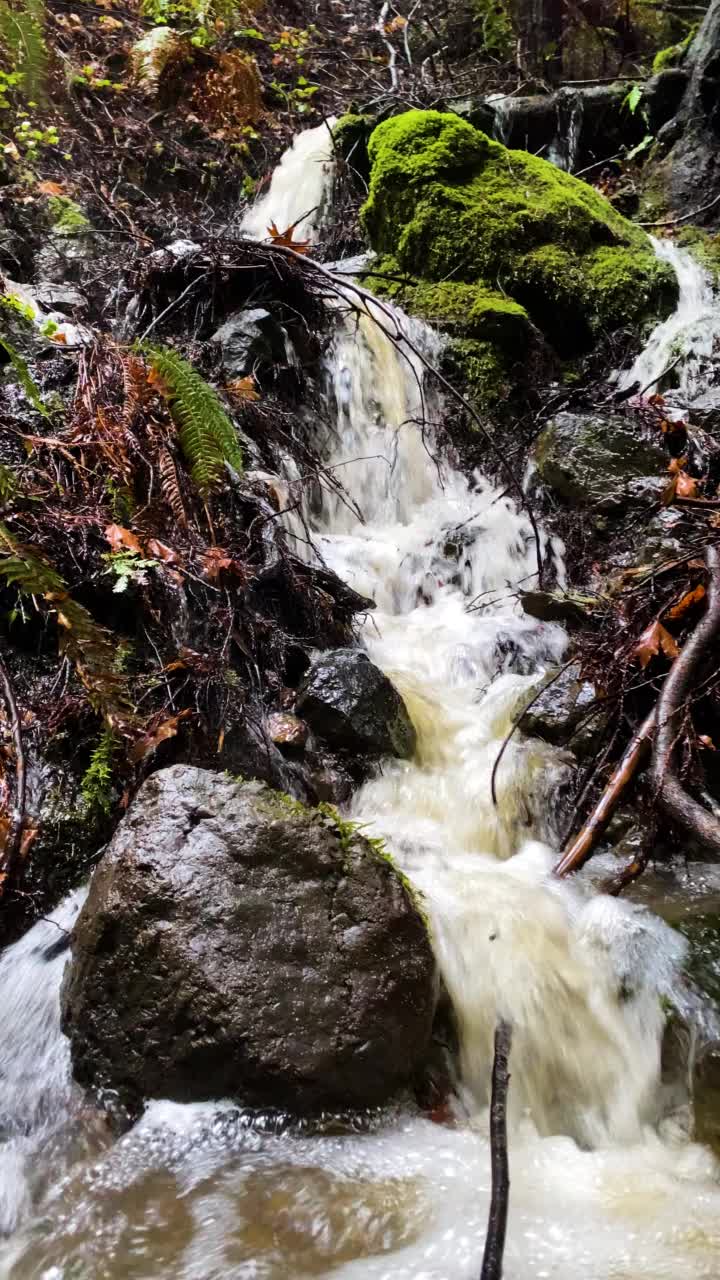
point(448, 204)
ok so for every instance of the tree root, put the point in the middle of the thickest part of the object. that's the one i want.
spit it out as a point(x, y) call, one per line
point(672, 796)
point(582, 846)
point(492, 1264)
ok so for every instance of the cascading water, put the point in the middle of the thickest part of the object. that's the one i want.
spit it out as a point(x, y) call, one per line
point(686, 343)
point(605, 1182)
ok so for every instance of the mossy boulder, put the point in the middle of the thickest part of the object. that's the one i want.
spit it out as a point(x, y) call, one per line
point(599, 461)
point(450, 205)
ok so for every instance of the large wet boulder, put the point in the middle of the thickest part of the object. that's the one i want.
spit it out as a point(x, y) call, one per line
point(600, 461)
point(448, 204)
point(236, 944)
point(567, 711)
point(351, 705)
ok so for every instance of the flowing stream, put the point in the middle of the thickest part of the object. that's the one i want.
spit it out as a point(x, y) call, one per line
point(605, 1180)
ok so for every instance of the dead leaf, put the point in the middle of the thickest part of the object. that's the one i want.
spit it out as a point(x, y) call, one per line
point(216, 561)
point(166, 729)
point(159, 551)
point(707, 741)
point(687, 602)
point(11, 150)
point(120, 538)
point(686, 486)
point(51, 188)
point(26, 840)
point(655, 639)
point(242, 390)
point(284, 239)
point(396, 24)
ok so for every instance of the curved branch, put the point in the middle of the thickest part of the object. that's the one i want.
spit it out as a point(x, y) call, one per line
point(671, 794)
point(582, 846)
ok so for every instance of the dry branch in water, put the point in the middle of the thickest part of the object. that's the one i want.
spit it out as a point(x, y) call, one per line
point(579, 850)
point(682, 808)
point(492, 1264)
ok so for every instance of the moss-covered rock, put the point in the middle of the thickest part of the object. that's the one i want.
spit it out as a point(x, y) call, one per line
point(449, 204)
point(598, 461)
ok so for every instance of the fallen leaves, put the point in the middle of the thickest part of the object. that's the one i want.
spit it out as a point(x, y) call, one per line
point(166, 727)
point(686, 602)
point(122, 539)
point(681, 484)
point(242, 390)
point(286, 240)
point(215, 562)
point(655, 639)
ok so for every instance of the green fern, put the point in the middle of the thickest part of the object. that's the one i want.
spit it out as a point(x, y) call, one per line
point(97, 784)
point(22, 32)
point(91, 648)
point(207, 435)
point(25, 378)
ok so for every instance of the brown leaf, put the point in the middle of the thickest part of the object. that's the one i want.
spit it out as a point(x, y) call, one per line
point(655, 639)
point(167, 728)
point(159, 551)
point(285, 238)
point(686, 486)
point(687, 601)
point(707, 741)
point(51, 188)
point(122, 538)
point(216, 561)
point(242, 390)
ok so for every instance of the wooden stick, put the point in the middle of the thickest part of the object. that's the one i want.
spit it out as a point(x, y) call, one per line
point(492, 1263)
point(582, 846)
point(8, 857)
point(682, 808)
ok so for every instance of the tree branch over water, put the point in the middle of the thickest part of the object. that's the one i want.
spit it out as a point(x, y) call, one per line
point(492, 1264)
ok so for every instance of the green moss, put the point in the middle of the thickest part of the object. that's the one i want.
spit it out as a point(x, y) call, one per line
point(674, 55)
point(67, 217)
point(485, 371)
point(451, 205)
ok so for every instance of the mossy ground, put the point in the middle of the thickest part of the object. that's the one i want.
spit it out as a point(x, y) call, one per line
point(450, 205)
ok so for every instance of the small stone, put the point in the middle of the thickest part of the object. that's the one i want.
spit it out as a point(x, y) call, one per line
point(350, 704)
point(286, 730)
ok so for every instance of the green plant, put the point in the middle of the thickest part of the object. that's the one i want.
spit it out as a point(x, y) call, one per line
point(633, 98)
point(22, 34)
point(8, 484)
point(97, 784)
point(127, 567)
point(25, 378)
point(31, 138)
point(67, 217)
point(88, 78)
point(207, 435)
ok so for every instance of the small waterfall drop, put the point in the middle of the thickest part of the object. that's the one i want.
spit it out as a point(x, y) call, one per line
point(688, 339)
point(300, 189)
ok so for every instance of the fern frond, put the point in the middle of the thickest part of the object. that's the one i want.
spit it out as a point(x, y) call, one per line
point(207, 435)
point(97, 784)
point(25, 378)
point(171, 486)
point(92, 648)
point(22, 32)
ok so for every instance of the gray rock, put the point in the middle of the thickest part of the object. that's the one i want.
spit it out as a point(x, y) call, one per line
point(248, 338)
point(596, 460)
point(561, 714)
point(60, 297)
point(662, 96)
point(350, 704)
point(234, 944)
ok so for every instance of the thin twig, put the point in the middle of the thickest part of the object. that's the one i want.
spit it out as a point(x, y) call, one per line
point(9, 855)
point(684, 217)
point(492, 1263)
point(516, 725)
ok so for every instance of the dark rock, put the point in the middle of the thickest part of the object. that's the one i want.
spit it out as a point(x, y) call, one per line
point(60, 297)
point(561, 714)
point(596, 460)
point(248, 339)
point(350, 704)
point(662, 96)
point(478, 112)
point(234, 944)
point(549, 607)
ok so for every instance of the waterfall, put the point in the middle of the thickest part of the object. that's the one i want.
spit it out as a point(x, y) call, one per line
point(603, 1182)
point(306, 171)
point(685, 343)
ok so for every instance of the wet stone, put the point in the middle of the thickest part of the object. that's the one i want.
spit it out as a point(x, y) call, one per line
point(350, 704)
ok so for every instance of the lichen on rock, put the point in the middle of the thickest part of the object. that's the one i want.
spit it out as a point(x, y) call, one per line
point(453, 207)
